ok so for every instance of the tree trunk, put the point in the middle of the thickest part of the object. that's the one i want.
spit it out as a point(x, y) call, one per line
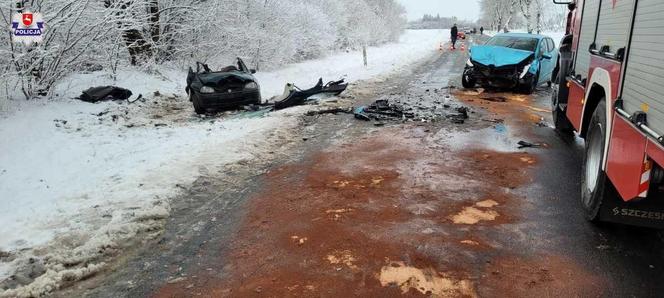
point(138, 47)
point(154, 20)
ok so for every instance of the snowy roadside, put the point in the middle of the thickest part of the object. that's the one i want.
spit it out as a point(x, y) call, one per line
point(79, 181)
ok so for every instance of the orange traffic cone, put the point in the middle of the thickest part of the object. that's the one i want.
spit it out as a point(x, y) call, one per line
point(463, 47)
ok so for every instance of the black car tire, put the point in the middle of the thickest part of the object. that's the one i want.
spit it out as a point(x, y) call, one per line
point(530, 88)
point(466, 80)
point(594, 193)
point(198, 106)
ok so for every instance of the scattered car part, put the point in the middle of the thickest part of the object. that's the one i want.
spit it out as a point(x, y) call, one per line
point(381, 110)
point(96, 94)
point(359, 114)
point(460, 117)
point(294, 96)
point(524, 144)
point(230, 87)
point(328, 111)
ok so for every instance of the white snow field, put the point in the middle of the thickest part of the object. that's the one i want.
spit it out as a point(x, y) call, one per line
point(78, 179)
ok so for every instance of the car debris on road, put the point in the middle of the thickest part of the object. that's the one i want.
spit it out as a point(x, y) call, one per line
point(524, 144)
point(294, 96)
point(102, 93)
point(383, 110)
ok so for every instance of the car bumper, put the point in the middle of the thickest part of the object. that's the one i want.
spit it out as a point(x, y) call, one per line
point(229, 100)
point(505, 77)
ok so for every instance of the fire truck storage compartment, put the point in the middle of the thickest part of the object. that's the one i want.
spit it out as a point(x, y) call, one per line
point(643, 88)
point(586, 37)
point(615, 18)
point(610, 30)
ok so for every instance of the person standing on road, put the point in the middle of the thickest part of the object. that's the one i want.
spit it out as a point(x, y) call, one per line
point(482, 30)
point(453, 34)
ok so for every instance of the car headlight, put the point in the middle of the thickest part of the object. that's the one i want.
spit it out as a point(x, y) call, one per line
point(207, 89)
point(251, 85)
point(525, 70)
point(468, 63)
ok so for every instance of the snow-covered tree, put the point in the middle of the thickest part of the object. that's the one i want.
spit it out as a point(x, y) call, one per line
point(88, 35)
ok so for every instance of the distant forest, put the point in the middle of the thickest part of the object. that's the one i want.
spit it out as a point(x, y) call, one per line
point(438, 22)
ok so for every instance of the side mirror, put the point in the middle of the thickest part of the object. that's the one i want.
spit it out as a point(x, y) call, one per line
point(252, 71)
point(547, 56)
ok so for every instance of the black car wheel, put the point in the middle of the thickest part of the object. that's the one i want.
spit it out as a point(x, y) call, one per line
point(467, 81)
point(595, 186)
point(198, 106)
point(530, 88)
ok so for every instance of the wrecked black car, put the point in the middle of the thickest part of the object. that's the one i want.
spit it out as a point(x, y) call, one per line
point(229, 87)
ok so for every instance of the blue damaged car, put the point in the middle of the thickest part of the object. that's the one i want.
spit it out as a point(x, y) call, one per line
point(511, 60)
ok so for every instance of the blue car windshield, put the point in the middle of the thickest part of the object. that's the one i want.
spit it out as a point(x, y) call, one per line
point(519, 43)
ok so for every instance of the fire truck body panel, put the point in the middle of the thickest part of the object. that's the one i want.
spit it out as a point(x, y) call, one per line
point(615, 18)
point(644, 72)
point(625, 159)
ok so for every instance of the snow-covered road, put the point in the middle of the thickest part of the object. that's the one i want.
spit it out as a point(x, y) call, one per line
point(76, 178)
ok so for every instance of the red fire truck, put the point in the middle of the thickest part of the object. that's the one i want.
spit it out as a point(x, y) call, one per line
point(610, 90)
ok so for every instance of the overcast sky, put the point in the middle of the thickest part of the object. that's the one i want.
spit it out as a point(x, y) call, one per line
point(463, 9)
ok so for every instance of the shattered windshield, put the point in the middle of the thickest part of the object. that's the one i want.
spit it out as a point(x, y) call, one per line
point(519, 43)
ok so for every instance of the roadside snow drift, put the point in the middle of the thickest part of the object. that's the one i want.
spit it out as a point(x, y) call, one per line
point(78, 180)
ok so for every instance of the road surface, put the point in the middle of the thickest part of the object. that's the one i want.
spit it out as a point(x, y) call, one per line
point(412, 209)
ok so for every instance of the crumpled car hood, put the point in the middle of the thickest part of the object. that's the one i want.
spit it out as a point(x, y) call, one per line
point(498, 56)
point(217, 78)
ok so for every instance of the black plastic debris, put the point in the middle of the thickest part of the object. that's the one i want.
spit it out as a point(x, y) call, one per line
point(524, 144)
point(329, 111)
point(294, 96)
point(463, 112)
point(97, 94)
point(381, 110)
point(460, 117)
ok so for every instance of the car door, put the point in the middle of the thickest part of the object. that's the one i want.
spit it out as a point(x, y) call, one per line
point(554, 53)
point(546, 60)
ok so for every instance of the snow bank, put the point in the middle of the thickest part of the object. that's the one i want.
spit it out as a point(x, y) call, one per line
point(413, 46)
point(79, 179)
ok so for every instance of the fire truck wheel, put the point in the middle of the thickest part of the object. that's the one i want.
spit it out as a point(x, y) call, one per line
point(596, 187)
